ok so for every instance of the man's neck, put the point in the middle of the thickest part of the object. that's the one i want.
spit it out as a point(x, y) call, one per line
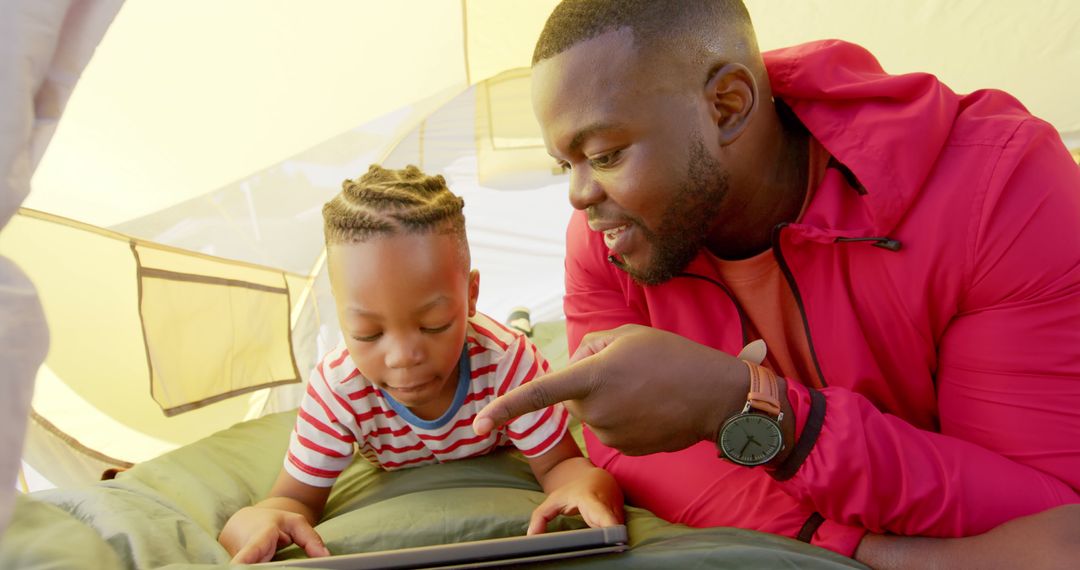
point(791, 181)
point(774, 192)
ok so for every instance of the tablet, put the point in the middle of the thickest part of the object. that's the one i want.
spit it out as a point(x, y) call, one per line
point(478, 553)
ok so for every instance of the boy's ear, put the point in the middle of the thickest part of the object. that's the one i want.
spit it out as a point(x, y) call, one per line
point(474, 291)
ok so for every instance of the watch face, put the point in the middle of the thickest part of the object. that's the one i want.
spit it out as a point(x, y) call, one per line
point(750, 439)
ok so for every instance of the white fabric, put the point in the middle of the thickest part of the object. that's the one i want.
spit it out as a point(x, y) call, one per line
point(46, 45)
point(23, 343)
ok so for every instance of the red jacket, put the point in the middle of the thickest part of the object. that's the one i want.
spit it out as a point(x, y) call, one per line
point(949, 354)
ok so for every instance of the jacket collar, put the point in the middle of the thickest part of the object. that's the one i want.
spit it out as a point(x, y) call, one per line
point(887, 130)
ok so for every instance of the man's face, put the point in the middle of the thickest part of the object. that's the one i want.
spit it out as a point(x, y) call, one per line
point(403, 302)
point(630, 134)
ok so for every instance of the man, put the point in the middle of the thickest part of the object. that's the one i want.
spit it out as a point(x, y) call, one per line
point(908, 255)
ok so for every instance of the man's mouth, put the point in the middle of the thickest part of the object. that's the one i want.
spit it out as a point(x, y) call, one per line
point(614, 232)
point(617, 239)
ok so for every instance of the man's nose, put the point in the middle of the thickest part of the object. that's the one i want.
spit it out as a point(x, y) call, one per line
point(585, 191)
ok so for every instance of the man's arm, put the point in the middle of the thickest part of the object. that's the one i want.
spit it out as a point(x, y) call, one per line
point(616, 383)
point(1008, 377)
point(320, 447)
point(1050, 539)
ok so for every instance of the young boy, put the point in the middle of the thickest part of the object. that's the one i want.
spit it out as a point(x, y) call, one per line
point(418, 362)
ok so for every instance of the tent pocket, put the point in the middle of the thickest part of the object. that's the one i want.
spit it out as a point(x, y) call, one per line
point(212, 329)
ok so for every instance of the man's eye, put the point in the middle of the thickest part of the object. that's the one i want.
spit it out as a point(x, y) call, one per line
point(562, 166)
point(436, 330)
point(604, 160)
point(368, 338)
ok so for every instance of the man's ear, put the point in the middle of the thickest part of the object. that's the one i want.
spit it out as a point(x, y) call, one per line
point(474, 291)
point(732, 94)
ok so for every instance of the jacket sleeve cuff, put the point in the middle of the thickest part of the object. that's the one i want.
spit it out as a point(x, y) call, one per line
point(808, 405)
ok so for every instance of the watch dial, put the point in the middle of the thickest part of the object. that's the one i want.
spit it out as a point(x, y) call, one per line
point(750, 439)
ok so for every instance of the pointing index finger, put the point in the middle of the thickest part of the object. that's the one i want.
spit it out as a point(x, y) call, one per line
point(571, 383)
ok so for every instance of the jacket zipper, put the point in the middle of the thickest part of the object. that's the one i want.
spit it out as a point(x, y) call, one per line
point(798, 298)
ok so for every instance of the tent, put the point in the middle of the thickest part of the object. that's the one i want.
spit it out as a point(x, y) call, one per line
point(170, 220)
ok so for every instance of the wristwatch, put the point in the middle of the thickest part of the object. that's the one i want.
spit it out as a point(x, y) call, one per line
point(753, 436)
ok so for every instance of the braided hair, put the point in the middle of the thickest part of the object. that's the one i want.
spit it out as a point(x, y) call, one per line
point(386, 202)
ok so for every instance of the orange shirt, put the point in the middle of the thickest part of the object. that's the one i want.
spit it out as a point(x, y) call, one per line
point(763, 292)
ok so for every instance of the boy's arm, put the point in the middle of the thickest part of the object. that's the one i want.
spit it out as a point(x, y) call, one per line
point(296, 496)
point(574, 485)
point(320, 447)
point(287, 516)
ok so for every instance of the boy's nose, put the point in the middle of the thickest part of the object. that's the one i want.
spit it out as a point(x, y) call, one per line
point(404, 355)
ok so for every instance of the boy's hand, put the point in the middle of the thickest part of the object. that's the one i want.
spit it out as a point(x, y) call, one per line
point(595, 495)
point(254, 534)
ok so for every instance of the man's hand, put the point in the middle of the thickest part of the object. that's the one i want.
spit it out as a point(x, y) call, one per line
point(639, 389)
point(254, 534)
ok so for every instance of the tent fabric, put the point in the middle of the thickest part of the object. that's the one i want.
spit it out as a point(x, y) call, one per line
point(262, 85)
point(218, 154)
point(176, 291)
point(120, 344)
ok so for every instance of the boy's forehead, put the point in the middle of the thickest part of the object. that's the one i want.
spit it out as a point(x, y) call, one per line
point(398, 240)
point(401, 252)
point(435, 302)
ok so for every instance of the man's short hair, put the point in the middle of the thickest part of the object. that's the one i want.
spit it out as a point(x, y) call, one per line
point(656, 24)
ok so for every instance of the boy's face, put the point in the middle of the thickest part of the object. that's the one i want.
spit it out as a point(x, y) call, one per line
point(403, 302)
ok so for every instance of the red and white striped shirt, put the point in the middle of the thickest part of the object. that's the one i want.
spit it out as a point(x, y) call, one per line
point(342, 411)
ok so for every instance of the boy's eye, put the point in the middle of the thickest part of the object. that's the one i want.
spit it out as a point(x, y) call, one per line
point(436, 330)
point(368, 338)
point(562, 166)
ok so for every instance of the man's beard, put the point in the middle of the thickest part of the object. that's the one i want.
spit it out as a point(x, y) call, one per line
point(686, 221)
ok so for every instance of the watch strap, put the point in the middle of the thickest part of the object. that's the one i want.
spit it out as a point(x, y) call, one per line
point(764, 393)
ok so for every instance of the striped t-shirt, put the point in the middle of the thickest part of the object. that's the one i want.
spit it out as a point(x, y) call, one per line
point(342, 410)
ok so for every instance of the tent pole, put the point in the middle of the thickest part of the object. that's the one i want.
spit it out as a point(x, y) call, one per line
point(465, 40)
point(23, 486)
point(315, 269)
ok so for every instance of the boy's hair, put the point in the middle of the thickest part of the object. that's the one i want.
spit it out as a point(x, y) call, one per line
point(386, 202)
